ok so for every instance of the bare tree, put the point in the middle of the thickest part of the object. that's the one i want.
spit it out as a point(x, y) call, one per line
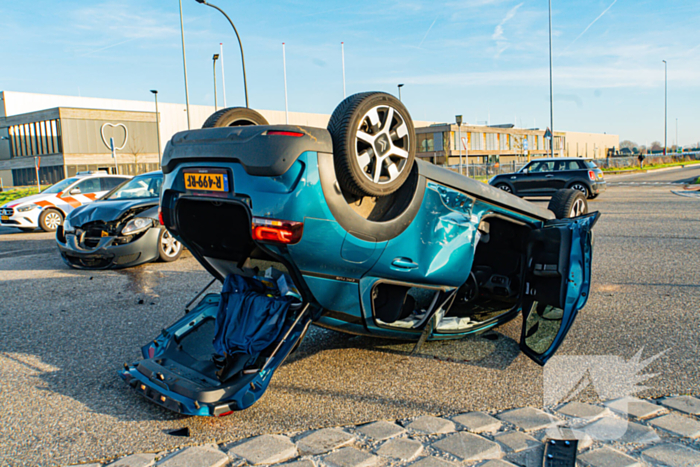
point(136, 149)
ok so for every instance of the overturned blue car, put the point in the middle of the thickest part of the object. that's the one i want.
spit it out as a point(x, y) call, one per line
point(344, 229)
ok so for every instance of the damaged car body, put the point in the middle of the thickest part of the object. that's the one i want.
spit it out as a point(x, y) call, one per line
point(343, 228)
point(119, 230)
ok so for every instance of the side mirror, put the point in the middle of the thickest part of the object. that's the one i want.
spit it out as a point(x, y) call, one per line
point(74, 191)
point(524, 170)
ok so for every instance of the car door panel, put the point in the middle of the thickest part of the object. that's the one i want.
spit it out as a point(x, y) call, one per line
point(557, 283)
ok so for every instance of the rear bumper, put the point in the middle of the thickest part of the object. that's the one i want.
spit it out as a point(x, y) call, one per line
point(598, 187)
point(108, 255)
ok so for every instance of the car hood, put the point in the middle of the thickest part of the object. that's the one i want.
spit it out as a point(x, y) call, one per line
point(111, 210)
point(27, 200)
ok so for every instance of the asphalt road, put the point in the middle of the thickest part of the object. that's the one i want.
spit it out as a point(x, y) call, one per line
point(64, 334)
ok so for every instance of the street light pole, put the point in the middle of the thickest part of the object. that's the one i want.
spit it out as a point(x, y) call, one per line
point(458, 120)
point(551, 99)
point(184, 64)
point(400, 86)
point(214, 58)
point(155, 94)
point(245, 83)
point(665, 103)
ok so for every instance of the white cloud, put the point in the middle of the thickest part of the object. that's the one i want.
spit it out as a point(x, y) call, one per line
point(498, 35)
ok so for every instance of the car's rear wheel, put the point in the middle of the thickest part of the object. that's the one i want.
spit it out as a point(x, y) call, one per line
point(374, 144)
point(169, 249)
point(568, 203)
point(234, 116)
point(505, 187)
point(50, 219)
point(578, 186)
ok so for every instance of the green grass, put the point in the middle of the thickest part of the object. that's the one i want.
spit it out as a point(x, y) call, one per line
point(697, 181)
point(16, 193)
point(647, 166)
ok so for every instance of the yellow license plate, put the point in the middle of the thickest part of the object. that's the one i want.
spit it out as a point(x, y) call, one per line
point(4, 218)
point(104, 234)
point(206, 181)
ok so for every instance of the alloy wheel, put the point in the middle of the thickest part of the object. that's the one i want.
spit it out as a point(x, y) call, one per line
point(52, 220)
point(382, 144)
point(505, 188)
point(578, 208)
point(170, 246)
point(580, 187)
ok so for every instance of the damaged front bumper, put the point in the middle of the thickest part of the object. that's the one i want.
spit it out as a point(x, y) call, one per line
point(108, 254)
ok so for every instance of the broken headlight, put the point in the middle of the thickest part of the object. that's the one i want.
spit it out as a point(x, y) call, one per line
point(136, 225)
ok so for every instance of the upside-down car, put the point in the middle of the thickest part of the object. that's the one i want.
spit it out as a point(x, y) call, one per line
point(343, 228)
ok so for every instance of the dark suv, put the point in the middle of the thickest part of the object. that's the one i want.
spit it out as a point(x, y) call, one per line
point(543, 177)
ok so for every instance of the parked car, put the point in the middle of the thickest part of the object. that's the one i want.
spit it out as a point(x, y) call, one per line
point(543, 177)
point(120, 230)
point(48, 208)
point(344, 228)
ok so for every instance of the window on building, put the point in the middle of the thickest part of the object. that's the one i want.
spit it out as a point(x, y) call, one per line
point(476, 141)
point(438, 141)
point(491, 141)
point(504, 141)
point(48, 175)
point(426, 142)
point(35, 139)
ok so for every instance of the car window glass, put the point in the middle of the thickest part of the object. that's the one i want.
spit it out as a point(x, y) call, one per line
point(567, 165)
point(91, 185)
point(139, 187)
point(109, 183)
point(591, 165)
point(542, 166)
point(60, 186)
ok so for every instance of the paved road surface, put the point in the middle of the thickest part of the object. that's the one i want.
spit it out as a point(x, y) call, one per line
point(64, 334)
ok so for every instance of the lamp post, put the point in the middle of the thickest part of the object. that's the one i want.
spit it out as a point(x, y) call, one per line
point(245, 83)
point(399, 86)
point(551, 99)
point(184, 64)
point(214, 59)
point(155, 94)
point(458, 120)
point(665, 103)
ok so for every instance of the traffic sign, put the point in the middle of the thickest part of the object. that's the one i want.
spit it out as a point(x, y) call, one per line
point(548, 134)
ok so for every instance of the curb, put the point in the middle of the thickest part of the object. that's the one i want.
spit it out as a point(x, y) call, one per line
point(638, 171)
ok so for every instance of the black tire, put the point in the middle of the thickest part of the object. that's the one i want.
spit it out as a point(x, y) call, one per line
point(352, 118)
point(568, 203)
point(594, 196)
point(50, 219)
point(169, 249)
point(580, 186)
point(505, 187)
point(234, 116)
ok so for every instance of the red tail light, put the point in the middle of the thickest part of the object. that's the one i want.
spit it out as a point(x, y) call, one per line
point(160, 217)
point(276, 231)
point(591, 175)
point(296, 134)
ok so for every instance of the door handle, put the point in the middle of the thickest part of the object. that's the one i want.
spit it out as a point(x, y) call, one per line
point(404, 263)
point(549, 176)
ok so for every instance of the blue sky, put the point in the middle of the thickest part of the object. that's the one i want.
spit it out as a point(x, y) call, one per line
point(479, 58)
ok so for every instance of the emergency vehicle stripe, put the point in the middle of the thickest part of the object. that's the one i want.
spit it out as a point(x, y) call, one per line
point(92, 196)
point(72, 201)
point(44, 204)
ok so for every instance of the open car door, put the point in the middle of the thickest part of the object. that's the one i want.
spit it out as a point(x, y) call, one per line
point(557, 283)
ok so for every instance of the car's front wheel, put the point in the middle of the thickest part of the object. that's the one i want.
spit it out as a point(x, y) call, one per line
point(568, 203)
point(235, 116)
point(578, 186)
point(169, 249)
point(505, 187)
point(50, 219)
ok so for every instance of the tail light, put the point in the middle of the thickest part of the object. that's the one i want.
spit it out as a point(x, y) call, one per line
point(276, 231)
point(295, 134)
point(591, 175)
point(160, 217)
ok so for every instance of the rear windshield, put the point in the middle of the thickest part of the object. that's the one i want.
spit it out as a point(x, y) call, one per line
point(138, 188)
point(590, 164)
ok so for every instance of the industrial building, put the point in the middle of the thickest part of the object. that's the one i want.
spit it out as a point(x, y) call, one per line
point(64, 135)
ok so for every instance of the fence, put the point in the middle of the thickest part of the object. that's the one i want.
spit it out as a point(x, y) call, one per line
point(488, 170)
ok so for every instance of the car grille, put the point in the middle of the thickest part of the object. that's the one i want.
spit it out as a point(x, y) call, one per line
point(7, 211)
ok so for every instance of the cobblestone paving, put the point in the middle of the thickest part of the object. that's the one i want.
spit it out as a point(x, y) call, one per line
point(661, 432)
